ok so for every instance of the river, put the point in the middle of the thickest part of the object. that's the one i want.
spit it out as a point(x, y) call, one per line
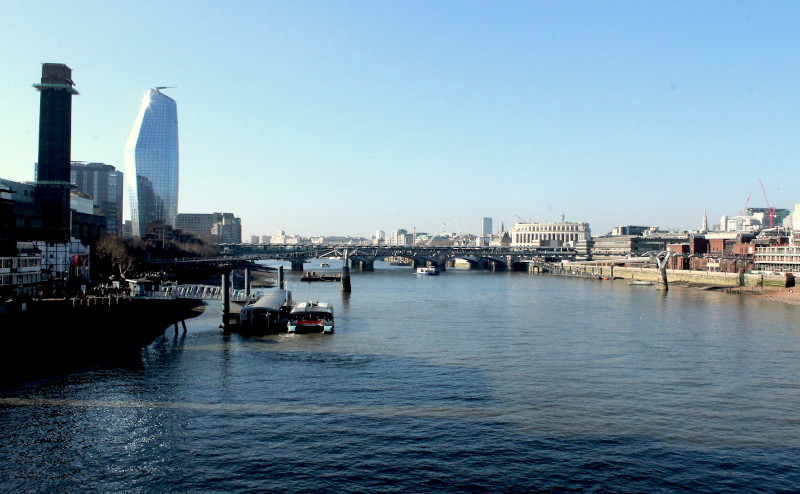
point(470, 381)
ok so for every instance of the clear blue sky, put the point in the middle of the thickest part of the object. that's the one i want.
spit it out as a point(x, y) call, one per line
point(343, 117)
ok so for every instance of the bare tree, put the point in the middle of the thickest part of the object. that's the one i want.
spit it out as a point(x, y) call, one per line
point(113, 253)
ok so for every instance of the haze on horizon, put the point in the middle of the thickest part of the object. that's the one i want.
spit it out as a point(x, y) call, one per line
point(341, 118)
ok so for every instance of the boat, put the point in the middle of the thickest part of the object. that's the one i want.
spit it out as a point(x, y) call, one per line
point(641, 283)
point(428, 270)
point(314, 276)
point(311, 317)
point(268, 314)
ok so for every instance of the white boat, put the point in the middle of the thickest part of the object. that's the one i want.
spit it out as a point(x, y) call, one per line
point(311, 317)
point(641, 282)
point(428, 271)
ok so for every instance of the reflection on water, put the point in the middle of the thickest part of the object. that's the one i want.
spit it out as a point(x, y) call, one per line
point(465, 381)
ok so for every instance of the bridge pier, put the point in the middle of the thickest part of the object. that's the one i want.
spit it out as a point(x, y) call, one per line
point(441, 263)
point(345, 286)
point(497, 265)
point(297, 264)
point(226, 299)
point(479, 264)
point(363, 264)
point(662, 271)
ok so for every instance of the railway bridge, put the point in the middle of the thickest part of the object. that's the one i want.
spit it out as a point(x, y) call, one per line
point(363, 257)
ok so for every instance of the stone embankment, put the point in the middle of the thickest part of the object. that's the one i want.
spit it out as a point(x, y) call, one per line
point(770, 288)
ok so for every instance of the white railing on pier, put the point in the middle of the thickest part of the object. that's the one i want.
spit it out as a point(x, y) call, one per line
point(205, 292)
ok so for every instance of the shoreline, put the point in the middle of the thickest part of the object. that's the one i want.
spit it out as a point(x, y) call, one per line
point(789, 296)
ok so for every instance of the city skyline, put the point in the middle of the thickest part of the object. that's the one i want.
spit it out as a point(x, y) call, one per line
point(410, 115)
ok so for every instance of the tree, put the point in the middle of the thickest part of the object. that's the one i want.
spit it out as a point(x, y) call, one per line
point(113, 255)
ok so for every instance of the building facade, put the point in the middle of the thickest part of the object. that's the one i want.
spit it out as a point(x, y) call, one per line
point(103, 183)
point(400, 237)
point(151, 163)
point(224, 228)
point(576, 235)
point(778, 259)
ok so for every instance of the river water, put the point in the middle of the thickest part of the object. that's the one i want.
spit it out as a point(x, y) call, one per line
point(464, 382)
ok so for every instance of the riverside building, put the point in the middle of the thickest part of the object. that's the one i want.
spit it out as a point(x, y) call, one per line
point(778, 259)
point(576, 235)
point(151, 163)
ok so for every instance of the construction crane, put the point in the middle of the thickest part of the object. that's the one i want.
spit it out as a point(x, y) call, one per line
point(523, 219)
point(433, 235)
point(746, 203)
point(770, 209)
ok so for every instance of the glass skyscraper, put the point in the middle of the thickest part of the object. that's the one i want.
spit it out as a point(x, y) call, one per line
point(151, 163)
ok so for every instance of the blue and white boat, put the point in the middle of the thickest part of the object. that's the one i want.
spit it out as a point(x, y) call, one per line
point(311, 317)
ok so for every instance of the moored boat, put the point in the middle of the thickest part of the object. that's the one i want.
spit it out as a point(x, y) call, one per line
point(314, 276)
point(311, 317)
point(268, 314)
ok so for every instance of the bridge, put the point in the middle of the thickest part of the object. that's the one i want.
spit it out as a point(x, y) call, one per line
point(363, 257)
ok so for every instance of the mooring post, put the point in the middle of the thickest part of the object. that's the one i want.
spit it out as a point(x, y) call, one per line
point(345, 287)
point(183, 322)
point(247, 283)
point(226, 298)
point(280, 277)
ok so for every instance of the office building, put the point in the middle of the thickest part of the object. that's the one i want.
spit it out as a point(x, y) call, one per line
point(103, 183)
point(224, 228)
point(486, 227)
point(400, 237)
point(151, 163)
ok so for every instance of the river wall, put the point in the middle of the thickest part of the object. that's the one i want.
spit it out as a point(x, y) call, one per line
point(688, 277)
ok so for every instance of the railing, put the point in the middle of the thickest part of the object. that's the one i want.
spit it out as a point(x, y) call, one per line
point(204, 292)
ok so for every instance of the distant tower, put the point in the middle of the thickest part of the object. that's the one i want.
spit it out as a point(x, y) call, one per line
point(55, 137)
point(486, 227)
point(704, 226)
point(151, 162)
point(562, 217)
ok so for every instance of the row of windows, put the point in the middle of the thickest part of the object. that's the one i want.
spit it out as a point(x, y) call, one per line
point(790, 259)
point(20, 279)
point(551, 228)
point(20, 262)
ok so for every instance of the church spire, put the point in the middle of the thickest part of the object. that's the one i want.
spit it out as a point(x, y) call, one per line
point(704, 226)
